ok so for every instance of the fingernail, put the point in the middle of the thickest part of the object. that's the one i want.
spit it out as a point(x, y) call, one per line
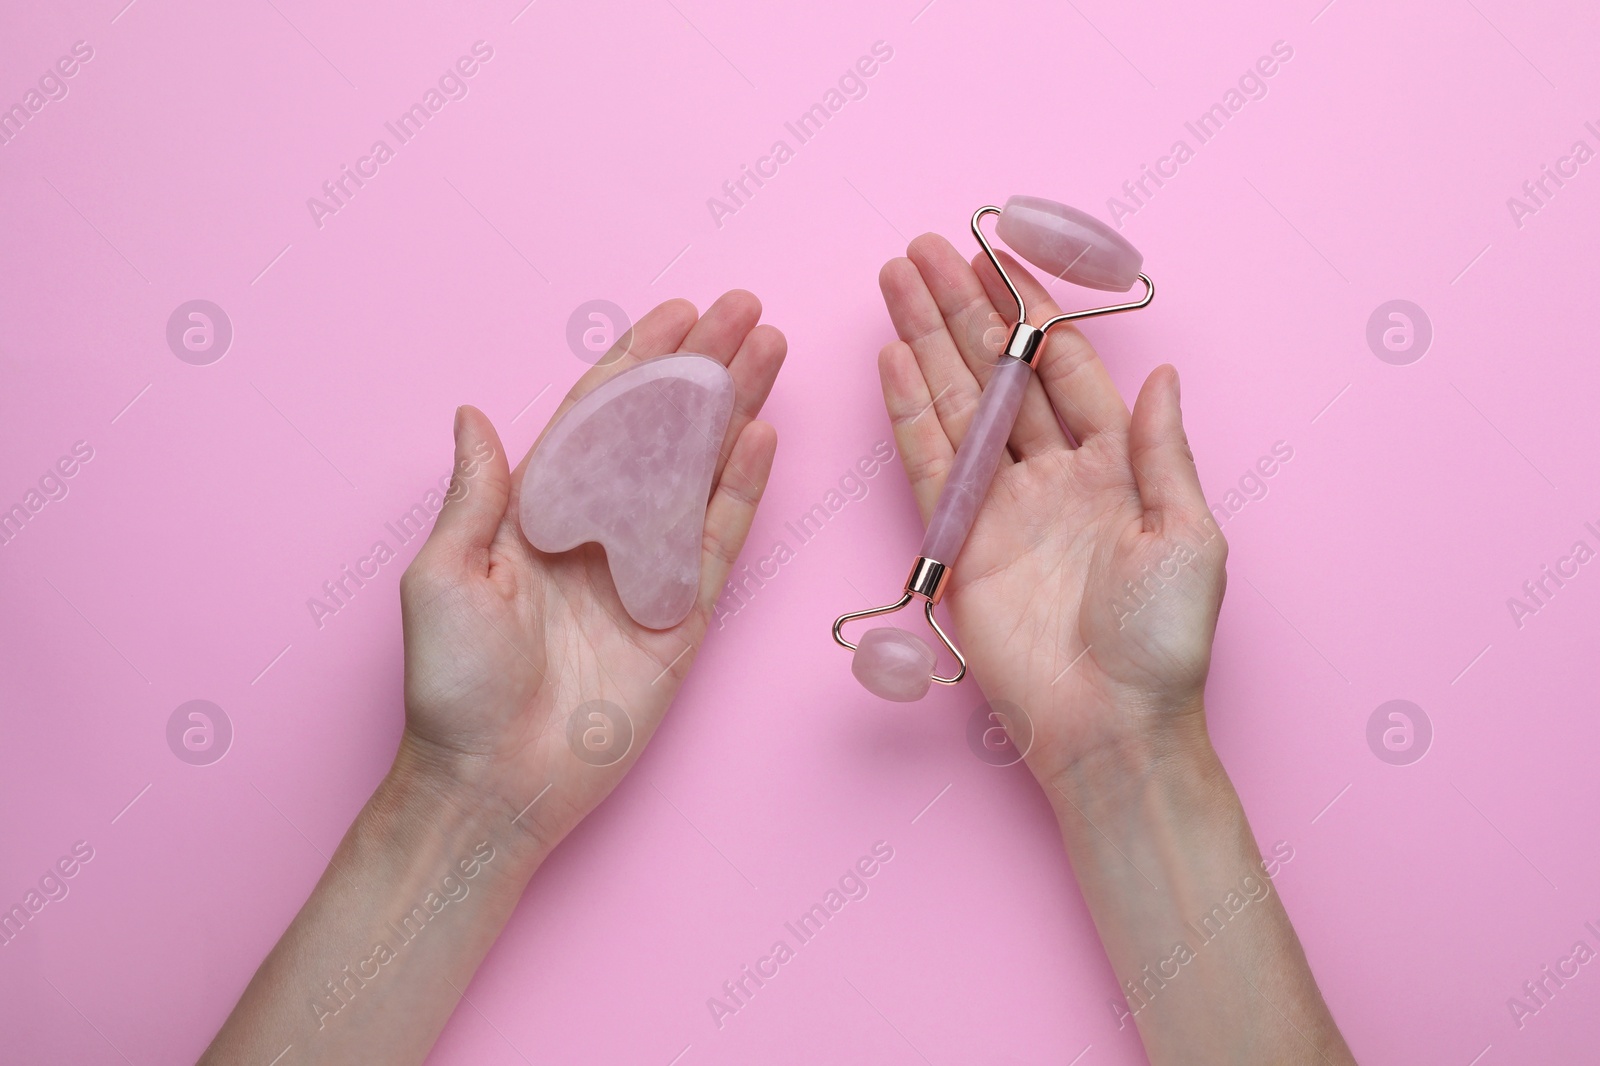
point(460, 414)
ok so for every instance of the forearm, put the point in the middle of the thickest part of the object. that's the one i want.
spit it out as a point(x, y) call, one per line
point(1209, 965)
point(377, 959)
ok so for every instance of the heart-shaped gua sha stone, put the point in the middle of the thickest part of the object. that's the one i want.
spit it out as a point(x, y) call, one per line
point(629, 467)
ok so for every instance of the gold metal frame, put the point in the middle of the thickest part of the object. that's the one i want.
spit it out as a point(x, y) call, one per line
point(926, 582)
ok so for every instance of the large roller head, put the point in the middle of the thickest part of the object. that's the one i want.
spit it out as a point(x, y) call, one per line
point(1068, 243)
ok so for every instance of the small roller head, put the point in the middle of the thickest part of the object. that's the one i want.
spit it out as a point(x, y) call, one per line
point(894, 664)
point(1069, 244)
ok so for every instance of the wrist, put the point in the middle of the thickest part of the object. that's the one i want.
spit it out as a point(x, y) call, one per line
point(430, 796)
point(1166, 745)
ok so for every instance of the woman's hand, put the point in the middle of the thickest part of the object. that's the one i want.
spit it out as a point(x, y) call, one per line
point(1086, 597)
point(1087, 593)
point(504, 643)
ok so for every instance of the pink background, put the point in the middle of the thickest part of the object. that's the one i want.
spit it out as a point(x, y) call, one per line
point(1378, 566)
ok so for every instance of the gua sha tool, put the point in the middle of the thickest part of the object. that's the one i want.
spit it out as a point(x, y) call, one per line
point(629, 467)
point(894, 663)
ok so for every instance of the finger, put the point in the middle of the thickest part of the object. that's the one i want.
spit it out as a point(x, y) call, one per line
point(951, 386)
point(660, 331)
point(1074, 378)
point(733, 507)
point(754, 369)
point(925, 451)
point(722, 329)
point(724, 333)
point(979, 332)
point(1163, 464)
point(480, 489)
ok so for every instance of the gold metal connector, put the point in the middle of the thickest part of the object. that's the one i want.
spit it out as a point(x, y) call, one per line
point(927, 579)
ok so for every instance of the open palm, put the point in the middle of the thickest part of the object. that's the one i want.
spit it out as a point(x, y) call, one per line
point(525, 677)
point(1088, 590)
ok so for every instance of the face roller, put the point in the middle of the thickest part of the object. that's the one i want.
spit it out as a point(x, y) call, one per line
point(897, 664)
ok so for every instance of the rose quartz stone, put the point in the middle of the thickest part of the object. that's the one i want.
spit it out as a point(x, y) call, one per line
point(1070, 244)
point(976, 459)
point(629, 467)
point(893, 664)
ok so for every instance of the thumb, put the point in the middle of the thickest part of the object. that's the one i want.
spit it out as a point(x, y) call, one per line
point(1163, 465)
point(480, 486)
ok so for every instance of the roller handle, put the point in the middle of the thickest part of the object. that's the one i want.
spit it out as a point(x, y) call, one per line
point(976, 461)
